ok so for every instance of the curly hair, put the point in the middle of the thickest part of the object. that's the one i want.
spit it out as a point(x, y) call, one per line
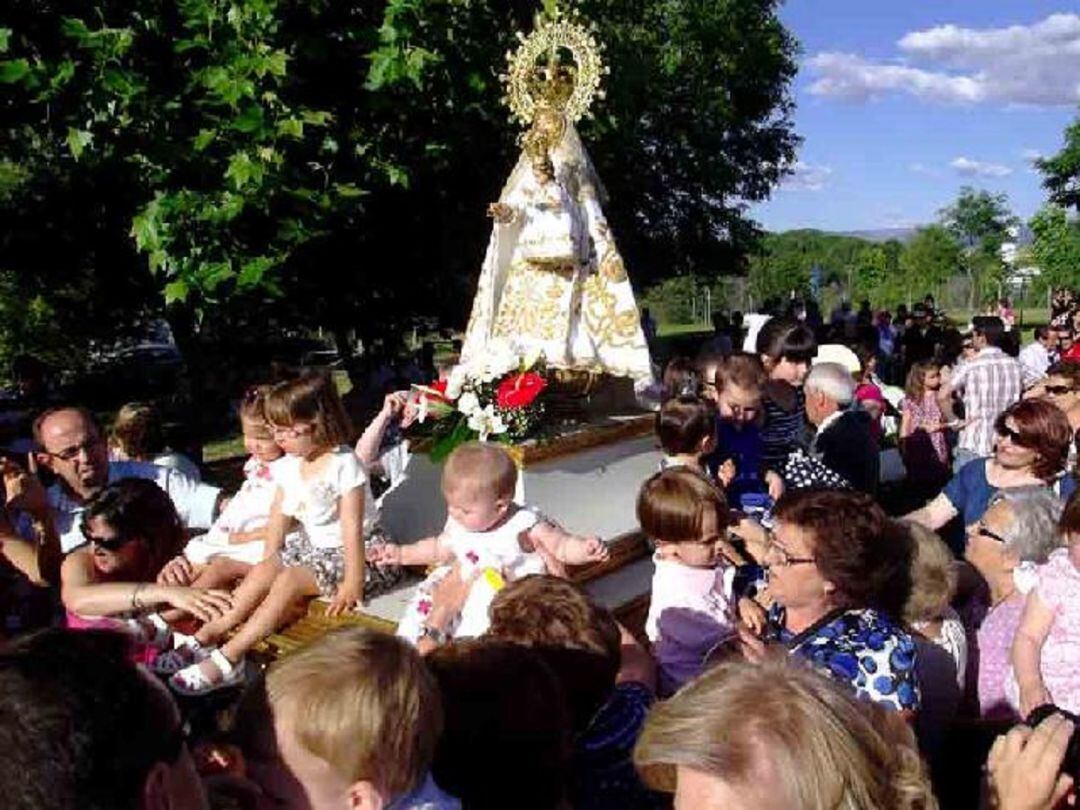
point(801, 740)
point(857, 548)
point(1043, 428)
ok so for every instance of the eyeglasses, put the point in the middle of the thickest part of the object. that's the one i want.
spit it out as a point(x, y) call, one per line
point(1058, 390)
point(291, 432)
point(982, 531)
point(72, 453)
point(1014, 436)
point(108, 543)
point(784, 558)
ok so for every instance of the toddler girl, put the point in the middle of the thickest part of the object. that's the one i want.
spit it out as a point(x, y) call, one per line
point(1046, 648)
point(692, 588)
point(321, 488)
point(485, 529)
point(922, 427)
point(685, 426)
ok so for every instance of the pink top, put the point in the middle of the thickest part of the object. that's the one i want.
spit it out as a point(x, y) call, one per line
point(994, 639)
point(1059, 589)
point(141, 653)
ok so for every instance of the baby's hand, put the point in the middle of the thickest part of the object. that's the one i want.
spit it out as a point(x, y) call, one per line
point(726, 473)
point(775, 484)
point(384, 554)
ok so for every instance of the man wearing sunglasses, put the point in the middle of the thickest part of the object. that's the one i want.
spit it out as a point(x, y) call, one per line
point(72, 447)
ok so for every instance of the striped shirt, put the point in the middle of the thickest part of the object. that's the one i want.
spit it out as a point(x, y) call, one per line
point(989, 383)
point(783, 431)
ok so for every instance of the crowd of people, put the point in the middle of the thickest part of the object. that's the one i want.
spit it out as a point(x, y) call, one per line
point(821, 632)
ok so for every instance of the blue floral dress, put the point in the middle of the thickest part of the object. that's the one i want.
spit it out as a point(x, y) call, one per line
point(863, 648)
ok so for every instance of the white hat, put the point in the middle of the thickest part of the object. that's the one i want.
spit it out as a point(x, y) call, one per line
point(840, 354)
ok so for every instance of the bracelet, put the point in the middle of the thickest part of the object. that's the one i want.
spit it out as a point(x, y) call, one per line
point(135, 603)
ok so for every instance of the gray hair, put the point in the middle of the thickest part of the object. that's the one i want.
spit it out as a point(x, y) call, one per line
point(832, 380)
point(1033, 533)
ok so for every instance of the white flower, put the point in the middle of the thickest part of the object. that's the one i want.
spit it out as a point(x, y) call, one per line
point(468, 403)
point(456, 381)
point(486, 422)
point(422, 415)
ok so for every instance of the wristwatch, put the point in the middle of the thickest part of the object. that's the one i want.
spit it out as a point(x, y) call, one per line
point(434, 633)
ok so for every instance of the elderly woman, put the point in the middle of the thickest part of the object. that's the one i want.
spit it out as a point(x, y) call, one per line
point(1031, 450)
point(838, 574)
point(801, 742)
point(132, 530)
point(1016, 533)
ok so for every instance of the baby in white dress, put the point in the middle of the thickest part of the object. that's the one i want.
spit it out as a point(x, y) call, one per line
point(485, 529)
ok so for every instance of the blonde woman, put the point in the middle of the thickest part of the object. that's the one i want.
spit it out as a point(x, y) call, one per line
point(802, 742)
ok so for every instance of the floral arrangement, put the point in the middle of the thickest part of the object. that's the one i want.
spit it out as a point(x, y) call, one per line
point(498, 399)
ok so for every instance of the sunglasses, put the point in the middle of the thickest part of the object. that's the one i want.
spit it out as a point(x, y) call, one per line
point(108, 543)
point(1058, 390)
point(1014, 436)
point(982, 531)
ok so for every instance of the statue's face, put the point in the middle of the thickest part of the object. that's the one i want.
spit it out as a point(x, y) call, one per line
point(543, 170)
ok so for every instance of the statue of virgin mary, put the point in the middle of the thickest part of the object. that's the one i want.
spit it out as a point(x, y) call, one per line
point(553, 281)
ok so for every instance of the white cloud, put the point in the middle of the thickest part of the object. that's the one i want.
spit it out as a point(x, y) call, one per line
point(977, 168)
point(922, 168)
point(1031, 154)
point(806, 177)
point(1035, 64)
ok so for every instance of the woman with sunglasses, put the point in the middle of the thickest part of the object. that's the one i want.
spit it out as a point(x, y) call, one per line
point(1017, 532)
point(1061, 388)
point(132, 530)
point(1032, 445)
point(837, 574)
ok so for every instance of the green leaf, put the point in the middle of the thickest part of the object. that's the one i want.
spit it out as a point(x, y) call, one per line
point(78, 140)
point(316, 118)
point(252, 272)
point(214, 274)
point(13, 70)
point(349, 190)
point(250, 120)
point(203, 139)
point(176, 292)
point(64, 71)
point(291, 128)
point(5, 38)
point(243, 170)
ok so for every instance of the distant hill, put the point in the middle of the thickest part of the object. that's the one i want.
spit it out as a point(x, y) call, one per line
point(881, 235)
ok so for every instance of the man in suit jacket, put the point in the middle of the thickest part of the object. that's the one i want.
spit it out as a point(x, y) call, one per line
point(843, 442)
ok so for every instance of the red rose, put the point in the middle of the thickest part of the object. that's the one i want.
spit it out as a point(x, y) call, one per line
point(439, 387)
point(519, 390)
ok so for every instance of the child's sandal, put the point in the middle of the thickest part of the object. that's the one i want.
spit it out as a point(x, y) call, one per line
point(192, 682)
point(186, 651)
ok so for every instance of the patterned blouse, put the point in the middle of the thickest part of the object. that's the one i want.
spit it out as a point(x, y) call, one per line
point(865, 649)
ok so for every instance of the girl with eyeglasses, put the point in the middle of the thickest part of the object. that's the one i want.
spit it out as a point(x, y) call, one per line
point(321, 488)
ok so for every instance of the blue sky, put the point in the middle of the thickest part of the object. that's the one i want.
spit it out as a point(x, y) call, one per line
point(902, 103)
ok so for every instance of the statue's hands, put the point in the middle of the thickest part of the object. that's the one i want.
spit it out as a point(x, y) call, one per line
point(501, 212)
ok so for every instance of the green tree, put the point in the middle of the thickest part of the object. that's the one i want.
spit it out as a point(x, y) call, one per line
point(979, 221)
point(1056, 248)
point(930, 259)
point(1061, 172)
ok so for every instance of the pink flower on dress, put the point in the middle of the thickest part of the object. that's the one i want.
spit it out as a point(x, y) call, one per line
point(424, 606)
point(472, 557)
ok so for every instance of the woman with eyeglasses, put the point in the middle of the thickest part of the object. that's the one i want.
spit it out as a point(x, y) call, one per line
point(1017, 532)
point(838, 573)
point(1031, 449)
point(132, 530)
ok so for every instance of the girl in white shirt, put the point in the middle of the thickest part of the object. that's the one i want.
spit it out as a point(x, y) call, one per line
point(321, 488)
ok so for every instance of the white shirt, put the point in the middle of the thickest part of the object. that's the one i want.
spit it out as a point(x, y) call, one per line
point(1034, 361)
point(316, 502)
point(499, 548)
point(194, 501)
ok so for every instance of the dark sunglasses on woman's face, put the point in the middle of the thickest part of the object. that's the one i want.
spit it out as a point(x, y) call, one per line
point(114, 543)
point(1058, 390)
point(1014, 436)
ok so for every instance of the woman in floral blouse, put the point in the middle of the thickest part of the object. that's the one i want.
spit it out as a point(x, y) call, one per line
point(837, 568)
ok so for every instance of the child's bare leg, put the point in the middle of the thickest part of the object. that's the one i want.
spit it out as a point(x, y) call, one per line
point(246, 598)
point(290, 585)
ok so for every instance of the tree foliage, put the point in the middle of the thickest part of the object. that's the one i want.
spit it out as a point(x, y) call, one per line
point(980, 223)
point(1061, 172)
point(1056, 249)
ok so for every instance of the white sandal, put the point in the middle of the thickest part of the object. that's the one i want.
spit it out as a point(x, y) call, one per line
point(186, 651)
point(191, 682)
